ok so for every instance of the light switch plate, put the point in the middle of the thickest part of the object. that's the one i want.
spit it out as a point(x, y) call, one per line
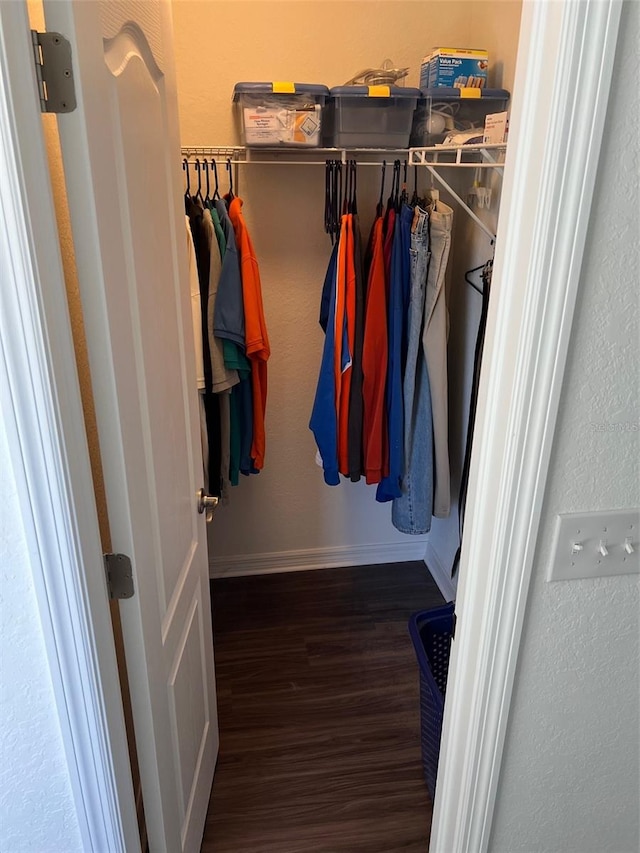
point(596, 544)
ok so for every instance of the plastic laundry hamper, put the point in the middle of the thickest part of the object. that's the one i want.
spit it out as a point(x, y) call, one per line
point(431, 632)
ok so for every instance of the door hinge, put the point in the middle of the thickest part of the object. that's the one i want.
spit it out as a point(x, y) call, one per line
point(119, 575)
point(52, 58)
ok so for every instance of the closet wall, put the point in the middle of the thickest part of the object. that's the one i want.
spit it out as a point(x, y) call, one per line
point(286, 516)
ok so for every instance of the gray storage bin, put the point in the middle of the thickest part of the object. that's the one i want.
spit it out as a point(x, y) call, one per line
point(370, 116)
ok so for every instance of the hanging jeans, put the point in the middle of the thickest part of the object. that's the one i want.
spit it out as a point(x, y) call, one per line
point(434, 342)
point(411, 512)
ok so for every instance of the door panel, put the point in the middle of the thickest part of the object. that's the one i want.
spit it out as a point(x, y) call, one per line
point(122, 164)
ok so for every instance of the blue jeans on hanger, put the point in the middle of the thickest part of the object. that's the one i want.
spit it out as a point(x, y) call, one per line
point(411, 512)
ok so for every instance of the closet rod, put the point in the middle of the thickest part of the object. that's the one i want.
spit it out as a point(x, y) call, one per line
point(242, 156)
point(294, 162)
point(192, 162)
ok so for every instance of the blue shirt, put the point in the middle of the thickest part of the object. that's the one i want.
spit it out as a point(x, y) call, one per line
point(324, 423)
point(228, 319)
point(399, 294)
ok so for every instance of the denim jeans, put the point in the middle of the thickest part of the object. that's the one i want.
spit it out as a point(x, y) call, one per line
point(434, 342)
point(411, 512)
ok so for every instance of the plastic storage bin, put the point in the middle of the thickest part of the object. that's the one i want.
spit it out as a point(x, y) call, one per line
point(431, 632)
point(280, 114)
point(444, 111)
point(370, 116)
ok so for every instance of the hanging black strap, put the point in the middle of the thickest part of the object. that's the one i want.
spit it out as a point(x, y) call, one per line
point(473, 404)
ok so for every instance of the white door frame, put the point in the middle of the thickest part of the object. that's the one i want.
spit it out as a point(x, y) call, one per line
point(563, 76)
point(548, 185)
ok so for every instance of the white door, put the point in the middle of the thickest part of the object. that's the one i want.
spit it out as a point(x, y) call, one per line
point(122, 164)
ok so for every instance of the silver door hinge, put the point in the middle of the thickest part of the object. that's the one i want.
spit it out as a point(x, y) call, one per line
point(52, 57)
point(119, 575)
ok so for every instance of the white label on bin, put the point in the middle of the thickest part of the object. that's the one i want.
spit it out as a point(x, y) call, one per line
point(495, 128)
point(277, 126)
point(265, 126)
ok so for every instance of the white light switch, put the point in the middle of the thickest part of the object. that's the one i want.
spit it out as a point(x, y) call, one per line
point(596, 544)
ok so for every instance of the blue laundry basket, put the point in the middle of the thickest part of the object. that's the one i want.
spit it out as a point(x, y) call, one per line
point(431, 632)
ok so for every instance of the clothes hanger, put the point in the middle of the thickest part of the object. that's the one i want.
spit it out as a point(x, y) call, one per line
point(207, 198)
point(434, 194)
point(329, 191)
point(346, 201)
point(354, 199)
point(185, 168)
point(404, 196)
point(379, 206)
point(470, 281)
point(395, 175)
point(199, 190)
point(230, 170)
point(414, 197)
point(396, 200)
point(214, 166)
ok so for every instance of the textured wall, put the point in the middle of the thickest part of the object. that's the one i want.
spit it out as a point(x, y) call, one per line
point(37, 812)
point(288, 507)
point(570, 777)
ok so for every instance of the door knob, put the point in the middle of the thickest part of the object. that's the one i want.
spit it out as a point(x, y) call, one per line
point(207, 504)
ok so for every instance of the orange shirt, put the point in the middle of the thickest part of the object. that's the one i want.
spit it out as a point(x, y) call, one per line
point(256, 337)
point(374, 364)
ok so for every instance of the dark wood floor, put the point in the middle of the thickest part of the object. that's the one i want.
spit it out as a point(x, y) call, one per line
point(319, 713)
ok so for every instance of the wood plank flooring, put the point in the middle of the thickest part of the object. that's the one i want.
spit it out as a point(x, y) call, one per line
point(319, 713)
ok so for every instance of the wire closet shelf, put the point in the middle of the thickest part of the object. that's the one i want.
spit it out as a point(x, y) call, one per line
point(439, 156)
point(433, 158)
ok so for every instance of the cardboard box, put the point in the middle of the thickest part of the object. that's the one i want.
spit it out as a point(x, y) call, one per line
point(454, 68)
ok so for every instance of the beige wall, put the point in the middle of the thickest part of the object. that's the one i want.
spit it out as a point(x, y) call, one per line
point(288, 507)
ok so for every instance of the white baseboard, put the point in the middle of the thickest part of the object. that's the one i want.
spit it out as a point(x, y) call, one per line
point(447, 585)
point(316, 558)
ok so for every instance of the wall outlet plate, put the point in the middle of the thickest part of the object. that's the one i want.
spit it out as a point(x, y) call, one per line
point(596, 544)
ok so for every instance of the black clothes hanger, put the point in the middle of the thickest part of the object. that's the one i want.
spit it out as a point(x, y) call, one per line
point(329, 199)
point(414, 197)
point(199, 190)
point(354, 187)
point(207, 198)
point(473, 402)
point(396, 198)
point(185, 168)
point(214, 166)
point(469, 280)
point(391, 201)
point(380, 205)
point(230, 170)
point(346, 201)
point(404, 197)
